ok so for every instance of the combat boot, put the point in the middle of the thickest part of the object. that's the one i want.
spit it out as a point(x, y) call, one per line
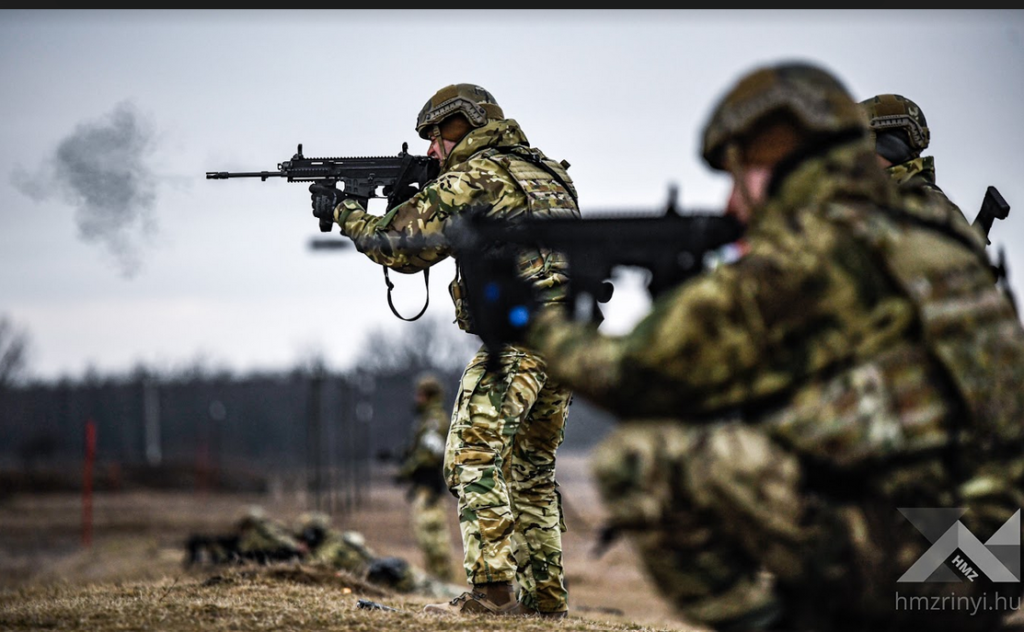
point(495, 598)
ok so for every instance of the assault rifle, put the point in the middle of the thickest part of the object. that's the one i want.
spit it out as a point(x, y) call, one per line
point(671, 246)
point(396, 178)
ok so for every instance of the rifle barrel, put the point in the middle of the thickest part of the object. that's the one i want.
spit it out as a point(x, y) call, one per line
point(224, 175)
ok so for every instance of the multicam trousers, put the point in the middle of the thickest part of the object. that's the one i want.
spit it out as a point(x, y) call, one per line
point(430, 527)
point(500, 463)
point(736, 530)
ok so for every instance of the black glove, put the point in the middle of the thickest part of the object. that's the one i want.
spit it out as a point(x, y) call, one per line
point(324, 199)
point(400, 195)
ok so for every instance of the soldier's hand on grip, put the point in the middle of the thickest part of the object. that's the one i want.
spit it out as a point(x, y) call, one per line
point(324, 199)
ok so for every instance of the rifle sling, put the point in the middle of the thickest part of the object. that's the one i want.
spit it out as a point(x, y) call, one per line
point(391, 286)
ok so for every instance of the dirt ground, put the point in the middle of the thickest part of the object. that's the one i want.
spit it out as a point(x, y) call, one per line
point(139, 537)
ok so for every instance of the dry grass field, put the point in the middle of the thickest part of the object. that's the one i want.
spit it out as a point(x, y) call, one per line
point(132, 576)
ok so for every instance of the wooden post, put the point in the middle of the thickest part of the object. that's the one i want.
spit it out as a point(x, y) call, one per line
point(90, 457)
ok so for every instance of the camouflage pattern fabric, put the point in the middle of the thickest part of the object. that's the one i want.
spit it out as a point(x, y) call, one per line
point(343, 550)
point(857, 360)
point(486, 170)
point(920, 173)
point(500, 453)
point(430, 528)
point(263, 539)
point(500, 458)
point(348, 551)
point(917, 172)
point(735, 532)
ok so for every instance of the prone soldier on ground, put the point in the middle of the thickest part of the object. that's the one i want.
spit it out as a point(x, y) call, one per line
point(255, 538)
point(348, 551)
point(258, 539)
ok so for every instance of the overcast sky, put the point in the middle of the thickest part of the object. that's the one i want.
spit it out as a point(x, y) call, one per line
point(115, 250)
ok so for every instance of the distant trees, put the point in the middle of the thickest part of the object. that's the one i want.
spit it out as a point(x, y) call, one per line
point(424, 344)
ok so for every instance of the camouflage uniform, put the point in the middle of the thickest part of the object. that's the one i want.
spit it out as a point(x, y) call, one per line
point(500, 453)
point(778, 410)
point(894, 114)
point(263, 539)
point(343, 550)
point(421, 467)
point(348, 551)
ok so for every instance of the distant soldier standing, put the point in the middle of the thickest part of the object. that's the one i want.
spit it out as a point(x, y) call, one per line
point(421, 468)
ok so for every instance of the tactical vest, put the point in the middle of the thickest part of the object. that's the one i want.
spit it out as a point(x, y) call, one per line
point(960, 385)
point(549, 192)
point(968, 324)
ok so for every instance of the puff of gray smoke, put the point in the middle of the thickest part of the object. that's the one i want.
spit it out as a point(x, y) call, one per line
point(100, 169)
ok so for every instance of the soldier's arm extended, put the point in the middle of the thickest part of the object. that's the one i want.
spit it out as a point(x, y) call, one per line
point(409, 237)
point(727, 336)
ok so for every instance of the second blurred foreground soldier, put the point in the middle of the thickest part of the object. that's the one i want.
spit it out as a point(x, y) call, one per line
point(790, 421)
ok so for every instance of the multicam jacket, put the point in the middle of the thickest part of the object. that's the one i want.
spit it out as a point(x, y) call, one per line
point(920, 173)
point(863, 322)
point(494, 169)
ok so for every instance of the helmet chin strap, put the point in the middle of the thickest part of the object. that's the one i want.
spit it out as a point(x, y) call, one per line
point(435, 135)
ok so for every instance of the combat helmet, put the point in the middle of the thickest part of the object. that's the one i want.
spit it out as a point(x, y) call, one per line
point(314, 520)
point(470, 100)
point(428, 386)
point(895, 115)
point(313, 527)
point(813, 96)
point(252, 515)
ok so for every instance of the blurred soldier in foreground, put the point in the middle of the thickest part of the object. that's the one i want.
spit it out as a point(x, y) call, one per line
point(791, 419)
point(421, 469)
point(509, 418)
